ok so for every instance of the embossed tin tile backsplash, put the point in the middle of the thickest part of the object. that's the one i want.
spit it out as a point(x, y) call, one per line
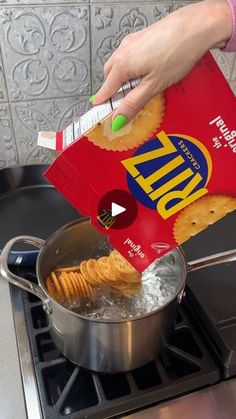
point(51, 60)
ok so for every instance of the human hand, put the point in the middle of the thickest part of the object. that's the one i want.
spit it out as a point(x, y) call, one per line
point(163, 54)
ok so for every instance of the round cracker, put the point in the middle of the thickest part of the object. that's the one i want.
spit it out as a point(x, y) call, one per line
point(51, 288)
point(121, 263)
point(84, 271)
point(92, 272)
point(82, 283)
point(78, 282)
point(73, 284)
point(125, 278)
point(142, 127)
point(122, 276)
point(70, 283)
point(124, 268)
point(90, 290)
point(200, 214)
point(66, 289)
point(128, 289)
point(99, 273)
point(76, 285)
point(87, 288)
point(105, 268)
point(57, 285)
point(68, 269)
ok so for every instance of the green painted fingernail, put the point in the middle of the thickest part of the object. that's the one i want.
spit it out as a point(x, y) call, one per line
point(91, 99)
point(119, 122)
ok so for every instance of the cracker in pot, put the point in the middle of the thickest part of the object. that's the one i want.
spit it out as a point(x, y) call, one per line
point(135, 133)
point(200, 214)
point(77, 277)
point(57, 285)
point(125, 270)
point(91, 265)
point(105, 269)
point(51, 288)
point(76, 286)
point(86, 288)
point(80, 281)
point(100, 273)
point(89, 275)
point(112, 270)
point(90, 291)
point(68, 269)
point(71, 285)
point(128, 289)
point(66, 287)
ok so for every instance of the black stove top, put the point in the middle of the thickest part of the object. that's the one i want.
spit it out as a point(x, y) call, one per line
point(66, 390)
point(201, 351)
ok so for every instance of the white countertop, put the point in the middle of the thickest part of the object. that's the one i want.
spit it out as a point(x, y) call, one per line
point(12, 403)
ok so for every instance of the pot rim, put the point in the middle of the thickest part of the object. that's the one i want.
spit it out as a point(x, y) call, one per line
point(52, 237)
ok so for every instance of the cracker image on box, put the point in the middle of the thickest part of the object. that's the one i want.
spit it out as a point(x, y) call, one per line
point(200, 214)
point(136, 132)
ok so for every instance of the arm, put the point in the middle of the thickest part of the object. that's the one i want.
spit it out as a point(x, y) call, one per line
point(231, 45)
point(164, 53)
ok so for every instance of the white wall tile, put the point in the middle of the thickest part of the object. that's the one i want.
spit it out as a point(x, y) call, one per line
point(53, 52)
point(111, 23)
point(46, 51)
point(8, 151)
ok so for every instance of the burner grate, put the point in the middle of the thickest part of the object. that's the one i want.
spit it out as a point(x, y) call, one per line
point(55, 379)
point(68, 391)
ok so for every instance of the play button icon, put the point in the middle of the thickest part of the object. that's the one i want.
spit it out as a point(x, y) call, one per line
point(117, 209)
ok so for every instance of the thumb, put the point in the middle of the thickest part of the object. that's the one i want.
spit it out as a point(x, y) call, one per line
point(110, 86)
point(131, 105)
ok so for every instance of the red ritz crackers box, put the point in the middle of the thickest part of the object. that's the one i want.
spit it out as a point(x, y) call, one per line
point(151, 191)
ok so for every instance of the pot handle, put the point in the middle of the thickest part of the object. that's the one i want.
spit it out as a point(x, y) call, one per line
point(17, 280)
point(216, 259)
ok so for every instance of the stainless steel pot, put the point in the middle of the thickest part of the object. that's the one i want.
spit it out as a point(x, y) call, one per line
point(98, 345)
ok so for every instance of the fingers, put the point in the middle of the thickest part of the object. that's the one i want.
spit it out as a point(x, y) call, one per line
point(108, 66)
point(132, 104)
point(110, 86)
point(115, 72)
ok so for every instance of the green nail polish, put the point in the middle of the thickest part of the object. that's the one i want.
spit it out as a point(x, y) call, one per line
point(119, 122)
point(91, 99)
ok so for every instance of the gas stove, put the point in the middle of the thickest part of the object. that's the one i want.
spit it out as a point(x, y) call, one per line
point(200, 355)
